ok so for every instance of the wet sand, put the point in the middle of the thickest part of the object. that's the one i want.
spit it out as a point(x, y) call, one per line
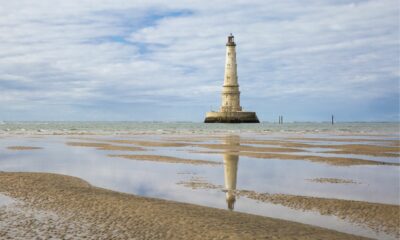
point(151, 143)
point(333, 180)
point(105, 146)
point(269, 152)
point(58, 218)
point(379, 217)
point(335, 161)
point(357, 149)
point(60, 206)
point(361, 139)
point(23, 148)
point(370, 150)
point(382, 147)
point(247, 148)
point(166, 159)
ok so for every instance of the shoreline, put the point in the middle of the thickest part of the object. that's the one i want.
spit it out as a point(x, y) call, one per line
point(105, 214)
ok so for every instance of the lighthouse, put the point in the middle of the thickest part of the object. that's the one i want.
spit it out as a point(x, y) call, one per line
point(231, 111)
point(230, 89)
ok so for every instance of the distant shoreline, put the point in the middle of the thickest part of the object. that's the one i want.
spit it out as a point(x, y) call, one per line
point(137, 127)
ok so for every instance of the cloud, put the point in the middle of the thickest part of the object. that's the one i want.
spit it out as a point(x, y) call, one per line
point(149, 56)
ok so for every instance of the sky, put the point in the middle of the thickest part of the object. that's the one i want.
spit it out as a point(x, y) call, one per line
point(115, 60)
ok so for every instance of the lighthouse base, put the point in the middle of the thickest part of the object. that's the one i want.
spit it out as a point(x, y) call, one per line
point(231, 117)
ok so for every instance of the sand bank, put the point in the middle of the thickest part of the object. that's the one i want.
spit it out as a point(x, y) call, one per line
point(369, 149)
point(23, 148)
point(247, 148)
point(335, 161)
point(78, 210)
point(387, 149)
point(333, 180)
point(151, 143)
point(166, 159)
point(377, 216)
point(232, 146)
point(105, 146)
point(328, 139)
point(142, 143)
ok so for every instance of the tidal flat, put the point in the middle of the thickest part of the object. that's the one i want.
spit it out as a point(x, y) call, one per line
point(183, 185)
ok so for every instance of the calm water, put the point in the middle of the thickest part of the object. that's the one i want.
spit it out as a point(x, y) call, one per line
point(156, 179)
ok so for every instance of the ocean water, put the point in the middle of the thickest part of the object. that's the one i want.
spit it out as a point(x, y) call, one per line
point(343, 128)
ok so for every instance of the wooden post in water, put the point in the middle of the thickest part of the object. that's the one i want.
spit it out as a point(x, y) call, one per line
point(332, 119)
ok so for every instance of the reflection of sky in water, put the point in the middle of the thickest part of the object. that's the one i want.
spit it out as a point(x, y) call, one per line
point(156, 179)
point(283, 176)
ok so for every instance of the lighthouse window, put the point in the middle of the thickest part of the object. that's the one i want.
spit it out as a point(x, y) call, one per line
point(228, 77)
point(229, 53)
point(228, 65)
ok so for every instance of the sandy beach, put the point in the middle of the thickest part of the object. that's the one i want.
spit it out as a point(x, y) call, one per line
point(380, 217)
point(58, 206)
point(149, 186)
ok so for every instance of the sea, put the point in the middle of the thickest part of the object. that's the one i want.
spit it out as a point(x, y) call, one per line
point(115, 128)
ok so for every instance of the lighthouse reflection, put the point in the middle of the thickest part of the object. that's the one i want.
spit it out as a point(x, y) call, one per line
point(231, 161)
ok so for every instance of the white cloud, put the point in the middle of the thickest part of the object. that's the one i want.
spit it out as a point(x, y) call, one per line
point(83, 52)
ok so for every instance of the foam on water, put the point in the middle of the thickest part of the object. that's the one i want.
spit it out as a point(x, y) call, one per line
point(64, 128)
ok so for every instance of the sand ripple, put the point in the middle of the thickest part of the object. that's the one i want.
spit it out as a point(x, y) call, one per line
point(74, 209)
point(376, 216)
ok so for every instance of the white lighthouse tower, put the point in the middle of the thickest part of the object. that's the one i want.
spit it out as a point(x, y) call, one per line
point(231, 111)
point(230, 90)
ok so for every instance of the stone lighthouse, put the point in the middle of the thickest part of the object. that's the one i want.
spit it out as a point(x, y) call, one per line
point(231, 111)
